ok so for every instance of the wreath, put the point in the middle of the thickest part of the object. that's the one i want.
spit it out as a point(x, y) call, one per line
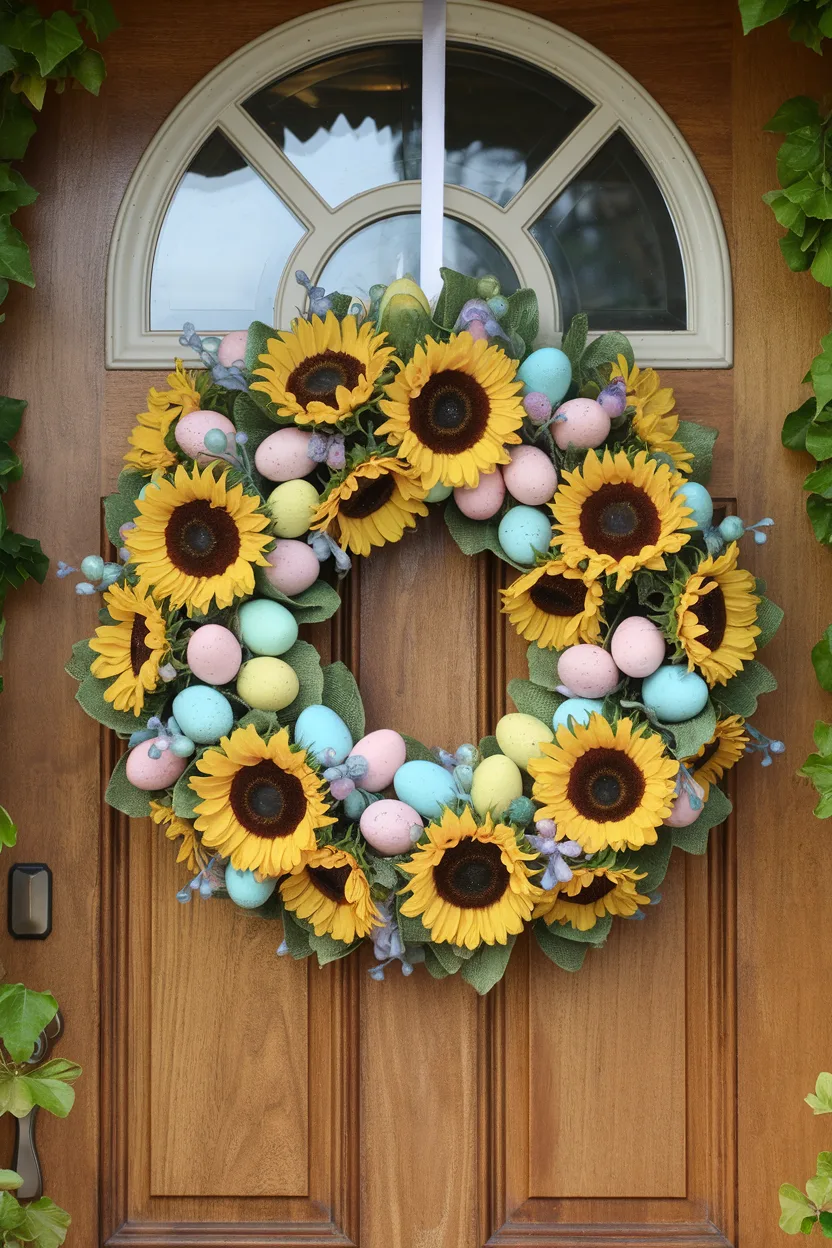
point(290, 449)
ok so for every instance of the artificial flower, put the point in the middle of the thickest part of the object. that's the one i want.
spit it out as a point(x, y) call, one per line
point(715, 617)
point(330, 890)
point(589, 895)
point(132, 649)
point(150, 451)
point(179, 829)
point(555, 605)
point(374, 504)
point(725, 748)
point(654, 420)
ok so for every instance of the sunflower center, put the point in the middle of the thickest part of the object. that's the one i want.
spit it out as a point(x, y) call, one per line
point(558, 595)
point(710, 612)
point(331, 881)
point(266, 800)
point(597, 888)
point(317, 379)
point(451, 412)
point(619, 520)
point(369, 495)
point(201, 540)
point(471, 875)
point(140, 652)
point(605, 785)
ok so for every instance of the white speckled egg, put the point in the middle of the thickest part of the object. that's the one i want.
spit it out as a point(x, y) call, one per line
point(531, 477)
point(391, 827)
point(577, 710)
point(318, 728)
point(246, 890)
point(682, 814)
point(638, 647)
point(267, 627)
point(233, 347)
point(425, 786)
point(586, 424)
point(524, 533)
point(385, 752)
point(519, 737)
point(699, 503)
point(203, 714)
point(148, 773)
point(546, 371)
point(283, 456)
point(588, 671)
point(267, 684)
point(190, 434)
point(674, 694)
point(293, 566)
point(214, 654)
point(483, 500)
point(292, 506)
point(497, 781)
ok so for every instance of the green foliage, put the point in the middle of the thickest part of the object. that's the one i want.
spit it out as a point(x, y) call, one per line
point(810, 21)
point(342, 695)
point(474, 536)
point(820, 1101)
point(487, 966)
point(694, 838)
point(23, 1016)
point(8, 829)
point(590, 360)
point(799, 1213)
point(567, 954)
point(818, 769)
point(40, 1222)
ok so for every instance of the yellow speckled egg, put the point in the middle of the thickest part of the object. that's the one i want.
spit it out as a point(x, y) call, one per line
point(292, 506)
point(519, 737)
point(497, 781)
point(267, 684)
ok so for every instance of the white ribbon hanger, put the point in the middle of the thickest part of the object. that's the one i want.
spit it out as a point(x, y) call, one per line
point(433, 144)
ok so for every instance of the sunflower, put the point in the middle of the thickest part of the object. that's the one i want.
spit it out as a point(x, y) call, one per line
point(331, 891)
point(163, 407)
point(619, 516)
point(176, 829)
point(197, 538)
point(321, 371)
point(725, 748)
point(470, 883)
point(132, 649)
point(555, 606)
point(453, 409)
point(654, 421)
point(605, 786)
point(374, 504)
point(715, 615)
point(261, 801)
point(589, 895)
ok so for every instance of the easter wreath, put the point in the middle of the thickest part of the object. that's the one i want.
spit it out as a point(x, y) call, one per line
point(326, 440)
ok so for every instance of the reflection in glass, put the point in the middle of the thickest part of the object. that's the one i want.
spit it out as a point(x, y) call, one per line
point(223, 245)
point(352, 122)
point(388, 249)
point(612, 247)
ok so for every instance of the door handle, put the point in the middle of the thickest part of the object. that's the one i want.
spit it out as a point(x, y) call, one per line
point(26, 1161)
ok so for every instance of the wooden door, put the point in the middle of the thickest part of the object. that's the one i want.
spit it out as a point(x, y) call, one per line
point(230, 1097)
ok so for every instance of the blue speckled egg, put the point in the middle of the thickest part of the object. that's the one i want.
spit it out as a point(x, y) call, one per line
point(577, 709)
point(203, 714)
point(546, 371)
point(699, 501)
point(524, 533)
point(245, 890)
point(318, 728)
point(426, 787)
point(266, 627)
point(674, 694)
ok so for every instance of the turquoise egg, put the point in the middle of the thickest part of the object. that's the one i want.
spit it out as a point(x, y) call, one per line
point(577, 709)
point(524, 532)
point(318, 728)
point(245, 890)
point(203, 714)
point(700, 503)
point(548, 372)
point(674, 694)
point(438, 493)
point(426, 787)
point(266, 627)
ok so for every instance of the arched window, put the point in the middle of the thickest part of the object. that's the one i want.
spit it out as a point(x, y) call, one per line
point(302, 151)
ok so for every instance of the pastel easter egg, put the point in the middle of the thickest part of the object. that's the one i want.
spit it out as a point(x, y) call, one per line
point(519, 737)
point(584, 424)
point(483, 500)
point(267, 627)
point(389, 826)
point(576, 710)
point(214, 654)
point(233, 347)
point(524, 533)
point(293, 566)
point(425, 786)
point(246, 890)
point(148, 773)
point(203, 714)
point(531, 477)
point(638, 647)
point(497, 781)
point(438, 493)
point(683, 813)
point(700, 503)
point(318, 729)
point(292, 506)
point(283, 456)
point(385, 752)
point(267, 684)
point(190, 434)
point(589, 671)
point(674, 694)
point(546, 371)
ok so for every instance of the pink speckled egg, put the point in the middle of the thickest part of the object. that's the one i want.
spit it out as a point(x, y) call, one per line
point(531, 477)
point(638, 647)
point(483, 500)
point(385, 752)
point(233, 347)
point(588, 671)
point(293, 566)
point(586, 424)
point(283, 456)
point(682, 814)
point(153, 773)
point(386, 825)
point(191, 430)
point(214, 654)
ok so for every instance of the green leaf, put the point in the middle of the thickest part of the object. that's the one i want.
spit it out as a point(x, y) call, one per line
point(802, 150)
point(692, 734)
point(606, 350)
point(759, 12)
point(652, 859)
point(769, 619)
point(124, 796)
point(822, 660)
point(794, 1207)
point(306, 662)
point(185, 800)
point(487, 966)
point(416, 751)
point(819, 511)
point(531, 699)
point(820, 1102)
point(341, 694)
point(739, 696)
point(23, 1016)
point(48, 1086)
point(15, 262)
point(543, 666)
point(789, 215)
point(825, 1219)
point(10, 1181)
point(567, 954)
point(699, 440)
point(824, 1165)
point(44, 1223)
point(822, 263)
point(818, 769)
point(433, 966)
point(474, 536)
point(251, 419)
point(523, 316)
point(314, 605)
point(15, 192)
point(694, 838)
point(98, 17)
point(296, 937)
point(90, 696)
point(457, 289)
point(82, 659)
point(446, 957)
point(794, 255)
point(257, 342)
point(87, 67)
point(819, 1188)
point(574, 340)
point(328, 950)
point(11, 415)
point(489, 746)
point(17, 125)
point(820, 374)
point(592, 936)
point(8, 829)
point(11, 1215)
point(120, 508)
point(819, 445)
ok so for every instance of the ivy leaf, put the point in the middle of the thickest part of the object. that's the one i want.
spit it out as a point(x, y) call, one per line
point(10, 1181)
point(819, 1187)
point(789, 215)
point(87, 67)
point(796, 113)
point(48, 39)
point(794, 1207)
point(759, 12)
point(820, 1102)
point(822, 263)
point(794, 255)
point(98, 16)
point(822, 660)
point(23, 1016)
point(44, 1223)
point(11, 414)
point(820, 513)
point(17, 125)
point(47, 1087)
point(818, 769)
point(819, 441)
point(8, 829)
point(15, 262)
point(824, 1165)
point(796, 426)
point(825, 1219)
point(15, 192)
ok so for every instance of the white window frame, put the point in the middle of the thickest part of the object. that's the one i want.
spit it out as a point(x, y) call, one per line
point(619, 103)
